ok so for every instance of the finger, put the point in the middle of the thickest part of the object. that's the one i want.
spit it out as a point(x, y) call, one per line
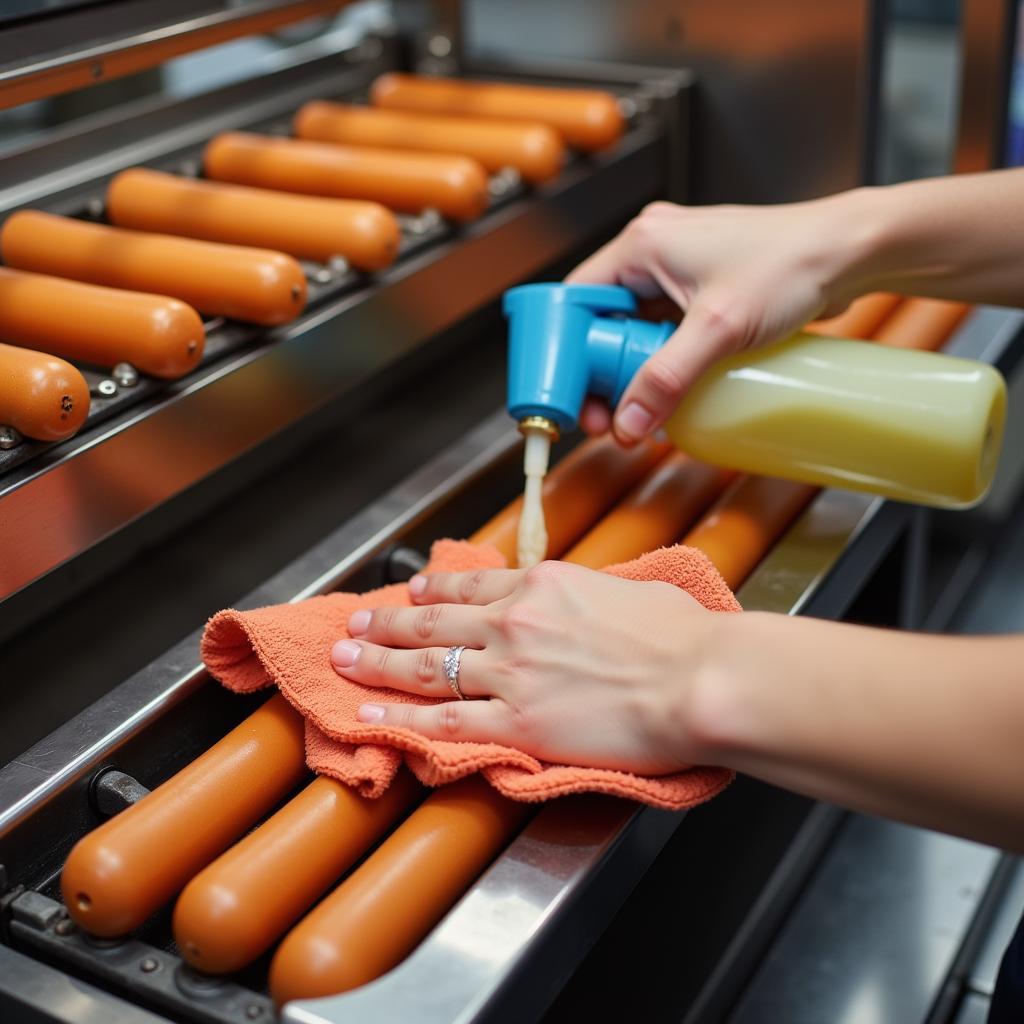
point(480, 587)
point(433, 625)
point(621, 262)
point(411, 671)
point(661, 383)
point(595, 417)
point(478, 721)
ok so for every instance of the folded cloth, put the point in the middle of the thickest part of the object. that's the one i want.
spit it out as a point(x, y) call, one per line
point(289, 645)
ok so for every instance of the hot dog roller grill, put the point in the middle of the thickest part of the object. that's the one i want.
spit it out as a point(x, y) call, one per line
point(708, 912)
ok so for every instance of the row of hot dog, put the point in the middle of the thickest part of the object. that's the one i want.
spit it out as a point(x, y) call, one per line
point(612, 505)
point(228, 245)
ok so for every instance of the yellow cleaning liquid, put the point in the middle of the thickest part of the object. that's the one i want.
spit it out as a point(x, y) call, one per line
point(915, 426)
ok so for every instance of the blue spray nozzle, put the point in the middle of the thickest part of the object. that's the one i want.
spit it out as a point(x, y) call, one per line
point(567, 341)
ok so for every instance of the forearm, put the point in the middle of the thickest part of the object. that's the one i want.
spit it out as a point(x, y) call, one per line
point(926, 729)
point(948, 238)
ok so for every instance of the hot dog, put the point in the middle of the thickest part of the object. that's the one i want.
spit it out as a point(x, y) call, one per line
point(577, 492)
point(41, 396)
point(366, 234)
point(128, 867)
point(587, 119)
point(234, 909)
point(383, 909)
point(104, 326)
point(412, 182)
point(654, 514)
point(862, 318)
point(223, 280)
point(535, 150)
point(748, 519)
point(922, 323)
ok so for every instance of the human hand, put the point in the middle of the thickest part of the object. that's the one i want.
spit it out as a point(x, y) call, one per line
point(565, 663)
point(745, 275)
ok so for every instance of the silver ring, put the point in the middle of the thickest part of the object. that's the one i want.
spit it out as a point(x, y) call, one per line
point(452, 662)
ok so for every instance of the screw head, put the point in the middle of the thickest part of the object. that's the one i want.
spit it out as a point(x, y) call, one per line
point(149, 965)
point(9, 438)
point(106, 388)
point(252, 1011)
point(439, 46)
point(323, 275)
point(65, 926)
point(125, 374)
point(95, 207)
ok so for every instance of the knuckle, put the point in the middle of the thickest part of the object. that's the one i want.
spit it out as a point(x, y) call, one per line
point(470, 585)
point(518, 619)
point(426, 665)
point(450, 718)
point(544, 573)
point(383, 620)
point(522, 718)
point(382, 661)
point(404, 716)
point(426, 621)
point(663, 379)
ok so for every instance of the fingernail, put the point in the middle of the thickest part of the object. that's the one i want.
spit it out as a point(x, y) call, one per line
point(417, 585)
point(634, 420)
point(359, 621)
point(370, 713)
point(345, 653)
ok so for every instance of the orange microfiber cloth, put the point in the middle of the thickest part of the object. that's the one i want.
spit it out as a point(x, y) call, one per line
point(289, 645)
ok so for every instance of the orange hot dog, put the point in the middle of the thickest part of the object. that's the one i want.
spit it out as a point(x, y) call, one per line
point(535, 150)
point(236, 908)
point(654, 514)
point(386, 906)
point(259, 285)
point(104, 326)
point(586, 118)
point(577, 492)
point(412, 182)
point(41, 396)
point(366, 234)
point(744, 524)
point(861, 319)
point(922, 323)
point(131, 865)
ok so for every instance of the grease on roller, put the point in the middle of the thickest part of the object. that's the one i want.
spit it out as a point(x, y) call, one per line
point(532, 541)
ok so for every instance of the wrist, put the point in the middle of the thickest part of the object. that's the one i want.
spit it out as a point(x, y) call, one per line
point(856, 227)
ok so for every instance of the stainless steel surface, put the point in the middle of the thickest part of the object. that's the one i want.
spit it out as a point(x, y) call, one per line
point(973, 1011)
point(125, 374)
point(786, 98)
point(44, 993)
point(876, 932)
point(1011, 908)
point(81, 48)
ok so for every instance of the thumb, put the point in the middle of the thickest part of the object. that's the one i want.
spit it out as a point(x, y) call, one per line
point(661, 383)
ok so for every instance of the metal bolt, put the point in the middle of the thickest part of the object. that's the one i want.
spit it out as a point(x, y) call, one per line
point(190, 169)
point(9, 438)
point(252, 1011)
point(95, 207)
point(106, 388)
point(149, 965)
point(65, 926)
point(323, 275)
point(439, 46)
point(338, 265)
point(125, 374)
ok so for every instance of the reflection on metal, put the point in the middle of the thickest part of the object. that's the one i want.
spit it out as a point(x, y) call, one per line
point(791, 573)
point(987, 33)
point(49, 71)
point(877, 930)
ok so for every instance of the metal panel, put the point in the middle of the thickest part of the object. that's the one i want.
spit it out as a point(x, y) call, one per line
point(785, 103)
point(877, 931)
